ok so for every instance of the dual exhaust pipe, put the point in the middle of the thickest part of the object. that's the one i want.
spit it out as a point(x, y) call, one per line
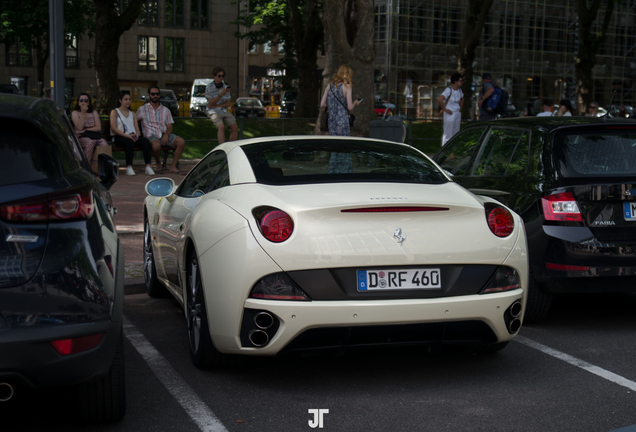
point(6, 391)
point(514, 324)
point(259, 337)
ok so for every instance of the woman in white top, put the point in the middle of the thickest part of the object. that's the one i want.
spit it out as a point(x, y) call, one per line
point(125, 130)
point(451, 102)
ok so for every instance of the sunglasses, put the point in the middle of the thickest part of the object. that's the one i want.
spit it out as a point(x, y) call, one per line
point(593, 107)
point(155, 94)
point(82, 100)
point(221, 76)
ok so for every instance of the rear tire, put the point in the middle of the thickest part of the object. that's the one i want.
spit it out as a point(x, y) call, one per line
point(153, 287)
point(538, 303)
point(202, 350)
point(104, 400)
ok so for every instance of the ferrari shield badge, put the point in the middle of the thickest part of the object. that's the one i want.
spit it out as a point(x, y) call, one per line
point(399, 236)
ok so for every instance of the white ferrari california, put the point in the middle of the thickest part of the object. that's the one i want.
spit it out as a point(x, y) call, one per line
point(284, 244)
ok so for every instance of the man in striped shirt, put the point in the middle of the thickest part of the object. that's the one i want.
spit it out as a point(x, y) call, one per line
point(156, 125)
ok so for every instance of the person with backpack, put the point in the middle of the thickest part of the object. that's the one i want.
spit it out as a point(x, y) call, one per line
point(451, 102)
point(487, 89)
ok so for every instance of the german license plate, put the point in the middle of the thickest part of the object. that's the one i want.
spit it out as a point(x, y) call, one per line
point(629, 210)
point(405, 279)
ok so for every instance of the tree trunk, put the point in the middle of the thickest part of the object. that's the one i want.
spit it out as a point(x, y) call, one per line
point(109, 27)
point(306, 31)
point(41, 57)
point(476, 15)
point(349, 39)
point(589, 44)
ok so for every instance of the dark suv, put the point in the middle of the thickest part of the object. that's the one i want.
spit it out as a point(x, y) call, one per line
point(61, 263)
point(573, 181)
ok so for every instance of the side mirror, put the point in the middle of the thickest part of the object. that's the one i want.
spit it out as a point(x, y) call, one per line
point(161, 187)
point(108, 170)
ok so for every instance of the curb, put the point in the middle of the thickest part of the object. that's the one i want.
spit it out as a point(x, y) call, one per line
point(129, 229)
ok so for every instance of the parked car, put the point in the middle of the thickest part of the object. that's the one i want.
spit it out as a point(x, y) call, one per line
point(249, 107)
point(288, 103)
point(198, 101)
point(9, 88)
point(61, 264)
point(277, 245)
point(380, 108)
point(169, 100)
point(572, 181)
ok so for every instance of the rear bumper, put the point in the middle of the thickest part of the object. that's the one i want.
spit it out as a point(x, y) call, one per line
point(571, 260)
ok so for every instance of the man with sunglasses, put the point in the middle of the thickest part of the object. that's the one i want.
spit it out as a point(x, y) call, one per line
point(592, 110)
point(218, 95)
point(156, 122)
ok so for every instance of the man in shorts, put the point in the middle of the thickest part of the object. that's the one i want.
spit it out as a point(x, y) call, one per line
point(218, 95)
point(156, 122)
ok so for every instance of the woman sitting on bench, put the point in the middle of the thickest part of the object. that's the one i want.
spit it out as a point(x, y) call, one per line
point(125, 131)
point(87, 125)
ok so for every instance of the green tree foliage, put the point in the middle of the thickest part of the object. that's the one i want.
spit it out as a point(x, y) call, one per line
point(296, 25)
point(28, 22)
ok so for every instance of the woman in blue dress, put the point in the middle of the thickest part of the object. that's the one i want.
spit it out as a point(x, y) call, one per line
point(337, 98)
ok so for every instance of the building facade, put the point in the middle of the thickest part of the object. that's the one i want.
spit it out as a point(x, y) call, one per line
point(529, 47)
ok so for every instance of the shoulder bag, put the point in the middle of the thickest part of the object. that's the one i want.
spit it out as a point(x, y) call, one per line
point(352, 117)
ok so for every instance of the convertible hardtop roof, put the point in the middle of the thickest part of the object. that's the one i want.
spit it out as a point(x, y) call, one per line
point(229, 146)
point(552, 123)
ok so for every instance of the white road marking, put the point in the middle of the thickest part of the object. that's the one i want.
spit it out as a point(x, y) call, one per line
point(610, 376)
point(178, 388)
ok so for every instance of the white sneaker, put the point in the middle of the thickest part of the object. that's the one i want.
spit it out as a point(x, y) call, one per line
point(130, 171)
point(149, 171)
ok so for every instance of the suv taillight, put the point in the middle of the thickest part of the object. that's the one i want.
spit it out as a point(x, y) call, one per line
point(561, 207)
point(60, 206)
point(275, 225)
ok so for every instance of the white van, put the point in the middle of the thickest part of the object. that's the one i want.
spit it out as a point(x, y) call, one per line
point(198, 102)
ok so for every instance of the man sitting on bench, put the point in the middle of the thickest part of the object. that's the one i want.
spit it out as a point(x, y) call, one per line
point(156, 125)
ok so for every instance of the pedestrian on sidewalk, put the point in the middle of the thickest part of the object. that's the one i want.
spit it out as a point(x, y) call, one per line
point(487, 89)
point(219, 100)
point(451, 102)
point(124, 128)
point(156, 125)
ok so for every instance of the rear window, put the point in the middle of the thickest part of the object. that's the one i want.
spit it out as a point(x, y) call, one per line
point(168, 95)
point(342, 160)
point(607, 153)
point(27, 154)
point(199, 91)
point(249, 103)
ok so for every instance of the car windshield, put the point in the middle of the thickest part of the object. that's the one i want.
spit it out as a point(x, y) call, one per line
point(249, 103)
point(606, 153)
point(168, 95)
point(289, 96)
point(199, 91)
point(342, 160)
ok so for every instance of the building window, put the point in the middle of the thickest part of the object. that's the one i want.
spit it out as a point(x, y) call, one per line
point(267, 48)
point(199, 13)
point(149, 15)
point(252, 48)
point(71, 60)
point(148, 53)
point(174, 13)
point(281, 48)
point(174, 54)
point(18, 54)
point(69, 87)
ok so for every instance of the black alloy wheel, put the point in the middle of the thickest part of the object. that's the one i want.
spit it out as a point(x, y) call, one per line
point(153, 287)
point(202, 350)
point(538, 303)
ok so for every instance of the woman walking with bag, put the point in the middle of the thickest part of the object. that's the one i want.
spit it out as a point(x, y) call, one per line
point(451, 102)
point(337, 98)
point(124, 127)
point(88, 127)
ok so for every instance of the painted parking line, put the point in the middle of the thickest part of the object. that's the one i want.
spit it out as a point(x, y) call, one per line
point(178, 388)
point(610, 376)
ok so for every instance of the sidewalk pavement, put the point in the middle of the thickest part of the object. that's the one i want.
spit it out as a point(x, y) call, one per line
point(128, 195)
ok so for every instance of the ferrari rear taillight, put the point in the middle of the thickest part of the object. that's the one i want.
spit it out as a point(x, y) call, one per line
point(500, 220)
point(275, 225)
point(561, 207)
point(74, 205)
point(505, 279)
point(277, 286)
